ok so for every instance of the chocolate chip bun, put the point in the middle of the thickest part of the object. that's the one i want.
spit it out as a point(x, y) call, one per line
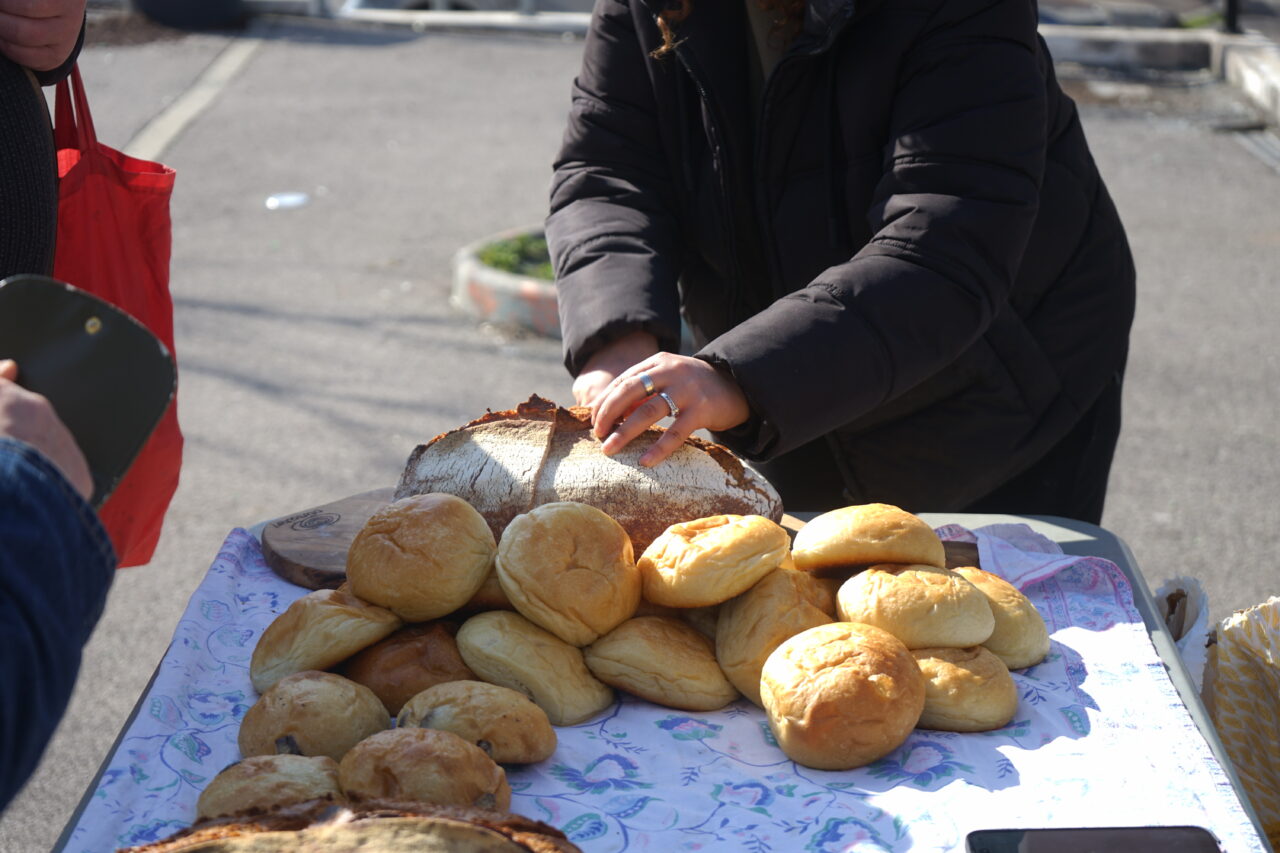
point(421, 557)
point(782, 604)
point(423, 765)
point(504, 723)
point(664, 660)
point(311, 713)
point(318, 631)
point(965, 690)
point(841, 695)
point(569, 569)
point(852, 537)
point(1020, 638)
point(409, 661)
point(505, 648)
point(268, 781)
point(710, 560)
point(923, 606)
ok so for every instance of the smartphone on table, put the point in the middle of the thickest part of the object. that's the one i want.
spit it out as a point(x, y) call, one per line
point(1108, 839)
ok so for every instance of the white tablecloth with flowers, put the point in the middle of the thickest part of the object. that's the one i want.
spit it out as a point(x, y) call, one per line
point(1100, 738)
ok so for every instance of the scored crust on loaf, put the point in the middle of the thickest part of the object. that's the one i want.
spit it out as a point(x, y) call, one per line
point(505, 463)
point(377, 824)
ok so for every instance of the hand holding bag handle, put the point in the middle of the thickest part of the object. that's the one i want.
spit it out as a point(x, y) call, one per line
point(114, 241)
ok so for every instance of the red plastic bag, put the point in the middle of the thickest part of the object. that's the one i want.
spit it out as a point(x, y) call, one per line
point(114, 238)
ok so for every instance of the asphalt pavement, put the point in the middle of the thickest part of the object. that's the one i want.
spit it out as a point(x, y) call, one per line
point(318, 346)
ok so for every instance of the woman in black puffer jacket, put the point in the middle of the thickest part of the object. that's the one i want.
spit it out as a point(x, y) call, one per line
point(903, 277)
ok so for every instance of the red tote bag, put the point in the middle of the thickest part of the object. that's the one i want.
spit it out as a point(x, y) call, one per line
point(114, 238)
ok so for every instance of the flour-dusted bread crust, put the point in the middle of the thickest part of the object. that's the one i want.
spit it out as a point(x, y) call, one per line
point(506, 463)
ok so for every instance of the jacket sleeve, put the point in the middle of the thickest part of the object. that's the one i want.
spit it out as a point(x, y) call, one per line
point(613, 238)
point(56, 564)
point(950, 220)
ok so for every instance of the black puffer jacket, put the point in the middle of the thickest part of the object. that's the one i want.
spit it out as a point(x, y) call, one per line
point(910, 253)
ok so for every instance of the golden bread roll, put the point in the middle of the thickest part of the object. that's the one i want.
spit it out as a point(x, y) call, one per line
point(311, 713)
point(318, 631)
point(569, 568)
point(965, 690)
point(424, 765)
point(1020, 638)
point(841, 695)
point(782, 604)
point(710, 560)
point(267, 781)
point(664, 660)
point(507, 649)
point(409, 661)
point(421, 557)
point(923, 606)
point(504, 723)
point(490, 596)
point(845, 539)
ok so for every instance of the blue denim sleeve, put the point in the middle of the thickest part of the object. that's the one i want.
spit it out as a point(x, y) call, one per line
point(56, 565)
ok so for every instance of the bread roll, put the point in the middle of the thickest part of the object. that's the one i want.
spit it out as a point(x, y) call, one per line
point(311, 713)
point(505, 648)
point(841, 695)
point(409, 661)
point(505, 462)
point(666, 661)
point(849, 538)
point(424, 765)
point(782, 604)
point(421, 557)
point(268, 781)
point(569, 568)
point(317, 631)
point(504, 723)
point(965, 690)
point(1020, 637)
point(922, 606)
point(707, 561)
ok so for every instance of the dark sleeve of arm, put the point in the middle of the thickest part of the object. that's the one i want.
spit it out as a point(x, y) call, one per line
point(950, 220)
point(612, 236)
point(56, 564)
point(48, 78)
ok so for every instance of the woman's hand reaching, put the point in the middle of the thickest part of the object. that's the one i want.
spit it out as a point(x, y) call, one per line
point(40, 34)
point(690, 391)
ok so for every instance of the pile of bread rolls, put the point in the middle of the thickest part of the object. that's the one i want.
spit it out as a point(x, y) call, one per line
point(849, 638)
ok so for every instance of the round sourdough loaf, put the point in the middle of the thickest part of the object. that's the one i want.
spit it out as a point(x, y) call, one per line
point(505, 463)
point(384, 826)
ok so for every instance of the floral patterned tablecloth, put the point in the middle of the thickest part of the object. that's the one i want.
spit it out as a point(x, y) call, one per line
point(1100, 738)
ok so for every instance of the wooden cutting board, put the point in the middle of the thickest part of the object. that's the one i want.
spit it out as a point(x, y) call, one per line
point(309, 548)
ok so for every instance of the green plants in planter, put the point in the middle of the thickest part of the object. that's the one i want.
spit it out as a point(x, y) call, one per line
point(523, 254)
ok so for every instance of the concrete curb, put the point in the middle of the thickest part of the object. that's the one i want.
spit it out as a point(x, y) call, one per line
point(496, 296)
